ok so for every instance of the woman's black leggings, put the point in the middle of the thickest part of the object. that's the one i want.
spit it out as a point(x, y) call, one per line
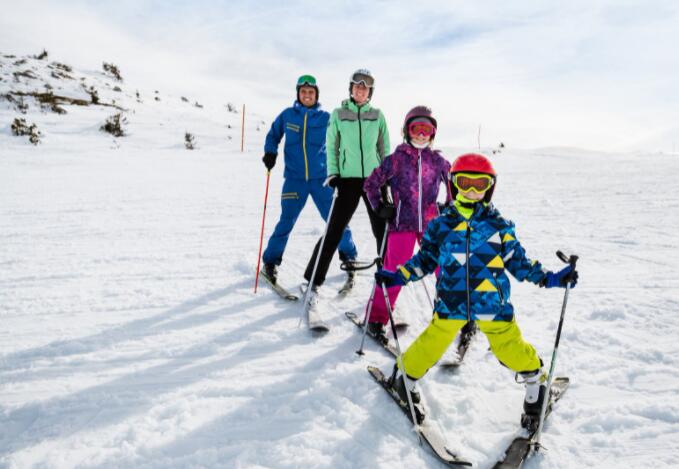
point(349, 193)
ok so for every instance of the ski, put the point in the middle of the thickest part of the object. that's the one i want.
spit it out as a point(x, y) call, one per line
point(313, 318)
point(519, 449)
point(315, 321)
point(427, 431)
point(383, 341)
point(466, 336)
point(282, 292)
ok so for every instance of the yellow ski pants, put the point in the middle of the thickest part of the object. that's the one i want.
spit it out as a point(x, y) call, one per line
point(505, 340)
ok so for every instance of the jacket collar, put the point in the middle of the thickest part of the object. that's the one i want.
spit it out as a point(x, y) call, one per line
point(411, 150)
point(479, 209)
point(349, 104)
point(302, 108)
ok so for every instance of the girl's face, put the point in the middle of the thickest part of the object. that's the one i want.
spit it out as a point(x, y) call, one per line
point(421, 132)
point(473, 195)
point(420, 139)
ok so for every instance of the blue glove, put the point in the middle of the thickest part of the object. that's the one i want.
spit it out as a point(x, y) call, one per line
point(388, 278)
point(560, 278)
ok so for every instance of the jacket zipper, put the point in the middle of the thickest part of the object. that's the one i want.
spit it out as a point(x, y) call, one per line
point(419, 189)
point(469, 298)
point(398, 213)
point(306, 162)
point(360, 142)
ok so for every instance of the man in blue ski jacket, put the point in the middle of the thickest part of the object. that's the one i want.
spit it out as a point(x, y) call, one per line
point(304, 126)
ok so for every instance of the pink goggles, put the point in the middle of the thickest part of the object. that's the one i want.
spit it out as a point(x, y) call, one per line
point(424, 129)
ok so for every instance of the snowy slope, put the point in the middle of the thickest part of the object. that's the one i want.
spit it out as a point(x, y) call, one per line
point(131, 336)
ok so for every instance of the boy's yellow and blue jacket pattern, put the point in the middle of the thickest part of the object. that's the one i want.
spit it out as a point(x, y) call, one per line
point(474, 255)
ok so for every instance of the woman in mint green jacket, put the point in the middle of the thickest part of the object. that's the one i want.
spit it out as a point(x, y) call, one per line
point(357, 141)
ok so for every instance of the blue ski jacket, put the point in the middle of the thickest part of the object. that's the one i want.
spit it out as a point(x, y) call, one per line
point(474, 256)
point(304, 130)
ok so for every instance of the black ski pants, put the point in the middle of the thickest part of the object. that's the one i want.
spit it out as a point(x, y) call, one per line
point(349, 193)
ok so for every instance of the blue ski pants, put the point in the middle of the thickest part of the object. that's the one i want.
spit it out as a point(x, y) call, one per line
point(293, 198)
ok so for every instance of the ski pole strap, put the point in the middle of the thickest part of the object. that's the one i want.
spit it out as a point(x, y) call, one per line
point(352, 266)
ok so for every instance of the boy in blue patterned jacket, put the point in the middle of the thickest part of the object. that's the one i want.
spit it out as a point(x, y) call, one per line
point(474, 246)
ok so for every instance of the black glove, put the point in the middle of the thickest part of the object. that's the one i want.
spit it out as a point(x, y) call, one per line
point(269, 160)
point(331, 181)
point(386, 211)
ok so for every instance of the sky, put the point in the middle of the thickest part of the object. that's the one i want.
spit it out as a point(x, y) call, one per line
point(599, 75)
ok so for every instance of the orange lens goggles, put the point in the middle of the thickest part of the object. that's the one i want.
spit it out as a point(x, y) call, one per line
point(474, 182)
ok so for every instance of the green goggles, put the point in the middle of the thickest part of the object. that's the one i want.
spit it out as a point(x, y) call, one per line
point(308, 80)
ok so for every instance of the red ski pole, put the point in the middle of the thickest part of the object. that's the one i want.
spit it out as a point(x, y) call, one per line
point(261, 235)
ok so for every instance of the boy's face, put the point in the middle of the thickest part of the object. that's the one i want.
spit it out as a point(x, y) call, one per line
point(473, 195)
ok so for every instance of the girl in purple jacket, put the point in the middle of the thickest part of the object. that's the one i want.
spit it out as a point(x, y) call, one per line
point(414, 173)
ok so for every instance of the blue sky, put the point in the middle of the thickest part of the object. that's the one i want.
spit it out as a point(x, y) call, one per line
point(593, 74)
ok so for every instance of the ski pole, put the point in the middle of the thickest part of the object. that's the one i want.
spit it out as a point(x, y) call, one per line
point(318, 257)
point(369, 308)
point(426, 290)
point(261, 235)
point(399, 361)
point(572, 260)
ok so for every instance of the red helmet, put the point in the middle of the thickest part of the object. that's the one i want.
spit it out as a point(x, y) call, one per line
point(473, 163)
point(414, 113)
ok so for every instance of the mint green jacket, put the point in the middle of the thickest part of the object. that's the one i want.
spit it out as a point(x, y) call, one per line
point(357, 140)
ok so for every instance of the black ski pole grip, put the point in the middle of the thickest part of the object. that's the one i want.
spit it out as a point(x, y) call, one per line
point(572, 259)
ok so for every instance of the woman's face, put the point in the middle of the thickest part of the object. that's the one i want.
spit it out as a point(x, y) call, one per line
point(360, 93)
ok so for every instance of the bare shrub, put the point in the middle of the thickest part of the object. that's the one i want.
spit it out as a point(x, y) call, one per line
point(189, 141)
point(114, 125)
point(20, 128)
point(112, 70)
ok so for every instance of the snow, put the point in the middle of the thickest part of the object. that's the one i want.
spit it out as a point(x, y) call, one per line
point(131, 336)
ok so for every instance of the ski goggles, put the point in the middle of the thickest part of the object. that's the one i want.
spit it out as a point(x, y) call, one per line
point(308, 80)
point(475, 182)
point(424, 129)
point(360, 78)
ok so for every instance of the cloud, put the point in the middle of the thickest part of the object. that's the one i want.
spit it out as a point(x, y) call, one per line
point(591, 74)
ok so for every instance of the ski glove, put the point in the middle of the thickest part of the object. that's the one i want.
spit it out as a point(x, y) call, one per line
point(331, 181)
point(386, 211)
point(560, 278)
point(388, 278)
point(269, 160)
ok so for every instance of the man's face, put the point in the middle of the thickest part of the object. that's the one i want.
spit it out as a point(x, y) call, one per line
point(307, 96)
point(360, 93)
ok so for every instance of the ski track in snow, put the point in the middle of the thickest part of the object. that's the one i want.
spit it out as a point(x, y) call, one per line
point(131, 335)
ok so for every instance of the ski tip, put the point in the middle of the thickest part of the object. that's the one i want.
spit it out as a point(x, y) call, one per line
point(319, 329)
point(376, 372)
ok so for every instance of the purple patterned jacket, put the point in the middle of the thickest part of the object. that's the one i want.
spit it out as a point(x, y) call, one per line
point(414, 177)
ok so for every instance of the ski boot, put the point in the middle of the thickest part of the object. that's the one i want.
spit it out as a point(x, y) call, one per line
point(398, 384)
point(271, 273)
point(313, 294)
point(536, 390)
point(377, 330)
